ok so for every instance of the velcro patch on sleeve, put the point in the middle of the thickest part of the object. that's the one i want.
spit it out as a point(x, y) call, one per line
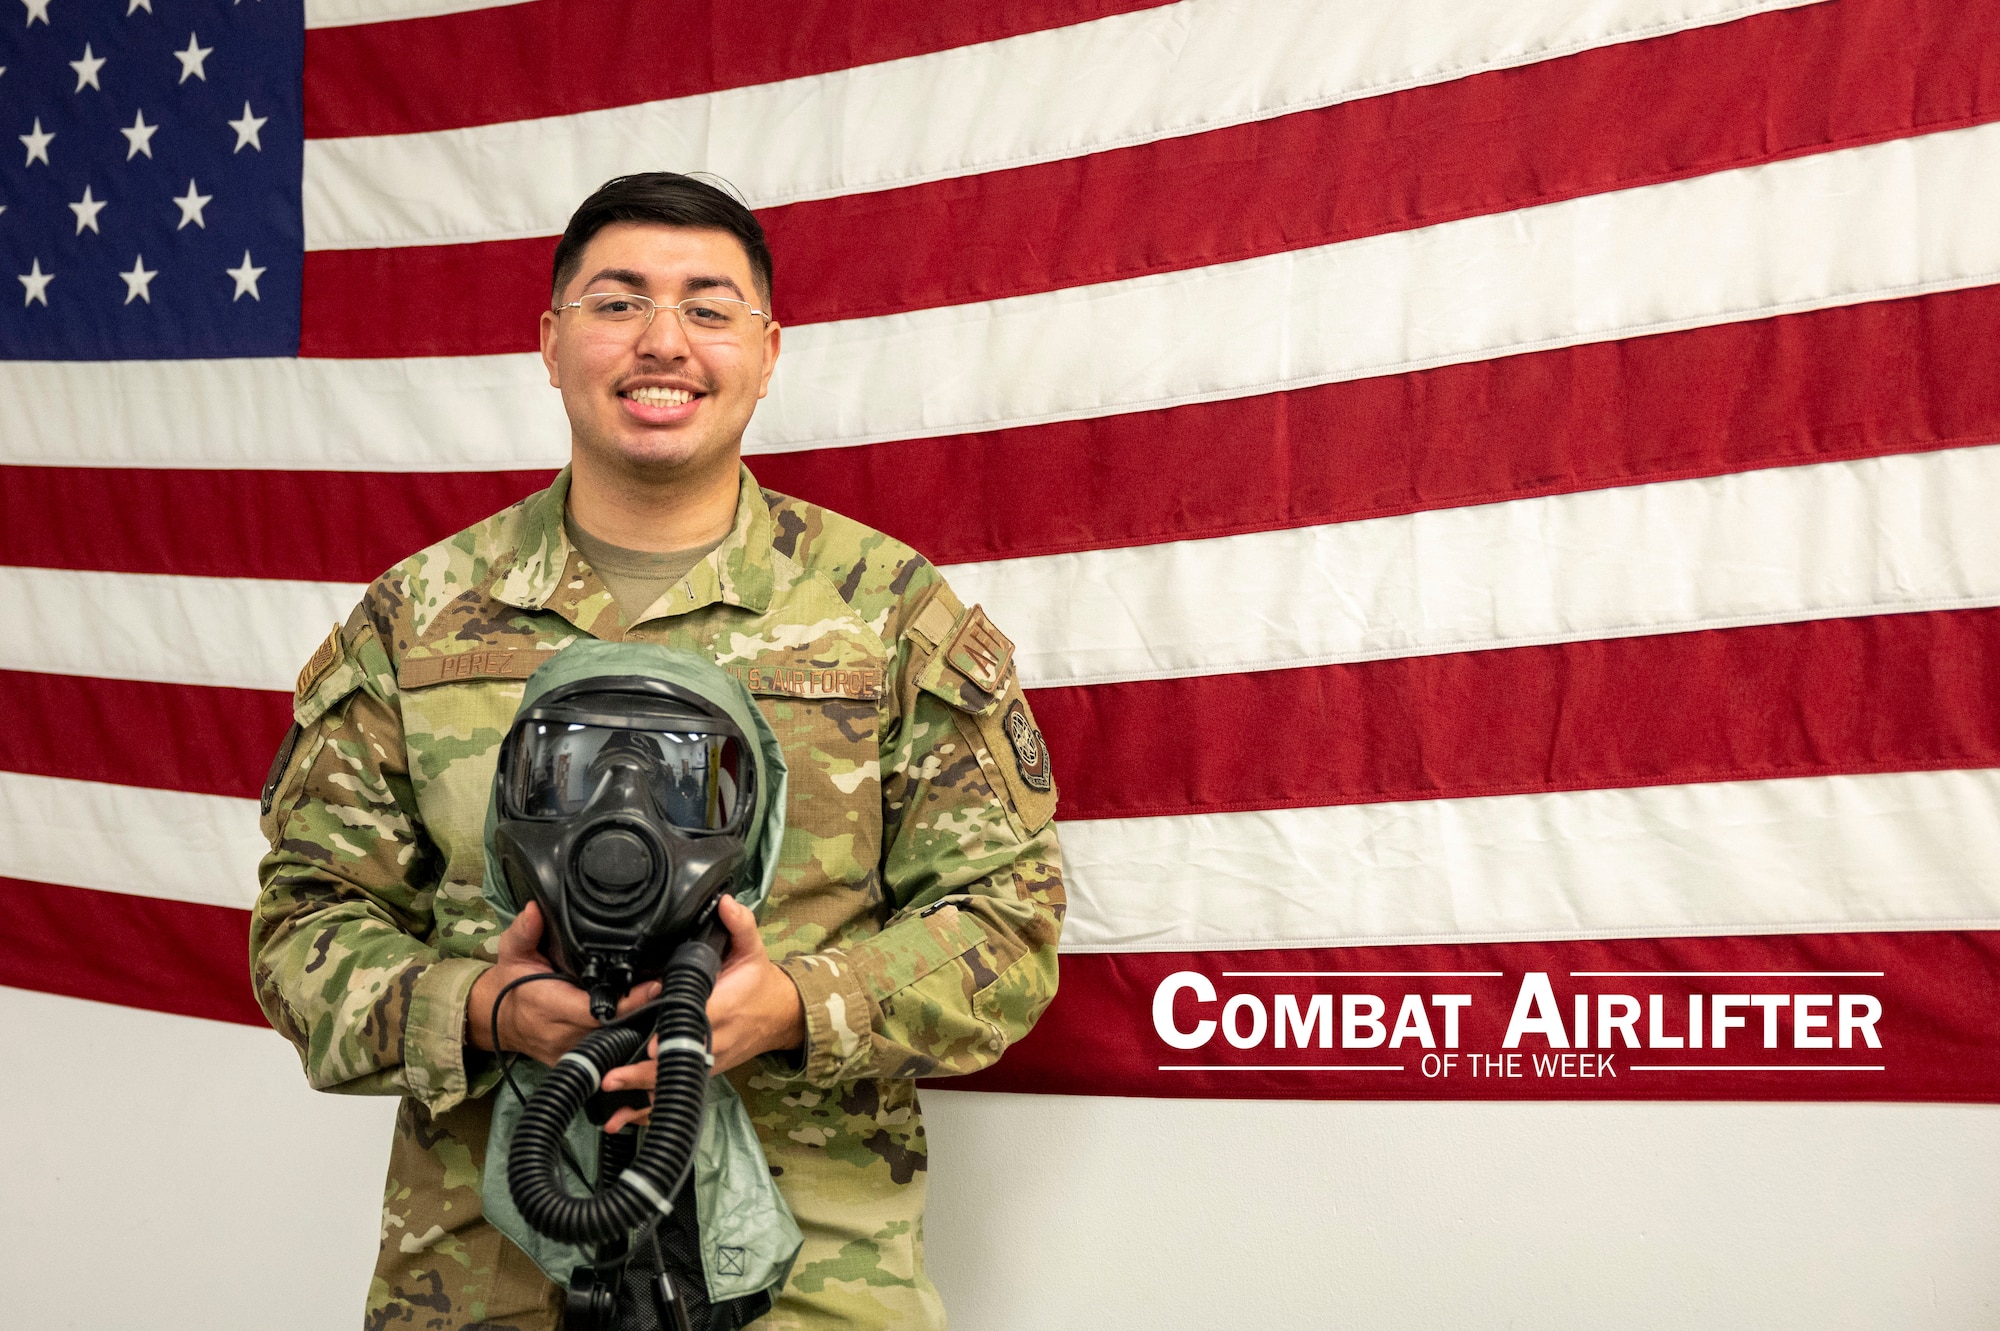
point(322, 660)
point(934, 622)
point(981, 652)
point(480, 663)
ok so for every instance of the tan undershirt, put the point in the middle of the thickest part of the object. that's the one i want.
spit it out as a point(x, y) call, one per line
point(636, 579)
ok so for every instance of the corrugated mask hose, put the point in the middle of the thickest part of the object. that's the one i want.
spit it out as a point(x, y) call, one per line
point(646, 1188)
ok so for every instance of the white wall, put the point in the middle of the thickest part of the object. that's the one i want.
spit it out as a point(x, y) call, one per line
point(1070, 1212)
point(162, 1171)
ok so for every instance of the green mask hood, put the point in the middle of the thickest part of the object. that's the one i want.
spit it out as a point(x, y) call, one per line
point(748, 1237)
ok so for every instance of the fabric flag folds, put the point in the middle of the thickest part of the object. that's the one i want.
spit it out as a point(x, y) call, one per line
point(1495, 509)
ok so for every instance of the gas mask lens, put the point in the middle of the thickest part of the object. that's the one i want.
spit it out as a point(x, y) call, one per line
point(695, 779)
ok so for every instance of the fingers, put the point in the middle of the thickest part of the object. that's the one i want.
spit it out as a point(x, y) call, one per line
point(521, 943)
point(641, 995)
point(619, 1121)
point(739, 917)
point(745, 943)
point(632, 1077)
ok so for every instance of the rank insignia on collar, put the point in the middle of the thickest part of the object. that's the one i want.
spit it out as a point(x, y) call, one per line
point(1030, 753)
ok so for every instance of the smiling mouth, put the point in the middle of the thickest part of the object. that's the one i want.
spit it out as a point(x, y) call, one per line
point(659, 397)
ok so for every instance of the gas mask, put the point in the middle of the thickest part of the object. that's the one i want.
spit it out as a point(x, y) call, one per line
point(622, 804)
point(636, 784)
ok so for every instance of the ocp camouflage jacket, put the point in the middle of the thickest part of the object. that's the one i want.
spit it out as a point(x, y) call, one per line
point(917, 904)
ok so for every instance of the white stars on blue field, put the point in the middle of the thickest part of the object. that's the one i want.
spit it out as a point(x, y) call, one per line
point(153, 209)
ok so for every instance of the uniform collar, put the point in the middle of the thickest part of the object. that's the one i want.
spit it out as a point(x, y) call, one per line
point(738, 572)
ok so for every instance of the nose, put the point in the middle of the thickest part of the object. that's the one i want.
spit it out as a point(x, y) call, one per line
point(664, 338)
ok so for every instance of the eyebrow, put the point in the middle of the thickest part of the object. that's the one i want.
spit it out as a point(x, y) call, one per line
point(632, 278)
point(711, 283)
point(625, 275)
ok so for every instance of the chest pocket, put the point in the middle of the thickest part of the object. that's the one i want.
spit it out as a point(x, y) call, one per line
point(971, 668)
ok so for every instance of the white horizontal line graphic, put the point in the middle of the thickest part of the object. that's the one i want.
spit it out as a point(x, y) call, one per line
point(1281, 1067)
point(1755, 1067)
point(1725, 974)
point(1037, 97)
point(1360, 975)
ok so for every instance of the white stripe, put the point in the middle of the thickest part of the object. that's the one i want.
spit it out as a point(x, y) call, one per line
point(1910, 532)
point(1885, 535)
point(131, 839)
point(1837, 228)
point(347, 13)
point(1844, 227)
point(447, 413)
point(231, 632)
point(1060, 93)
point(1903, 850)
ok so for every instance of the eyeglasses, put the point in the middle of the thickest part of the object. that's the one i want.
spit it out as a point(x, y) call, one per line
point(702, 318)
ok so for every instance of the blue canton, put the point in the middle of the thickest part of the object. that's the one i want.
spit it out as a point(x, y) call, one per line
point(150, 160)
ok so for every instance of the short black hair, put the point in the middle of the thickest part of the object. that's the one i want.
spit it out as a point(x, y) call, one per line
point(666, 198)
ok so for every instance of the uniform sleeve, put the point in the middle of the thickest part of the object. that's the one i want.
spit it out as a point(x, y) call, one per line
point(340, 956)
point(970, 867)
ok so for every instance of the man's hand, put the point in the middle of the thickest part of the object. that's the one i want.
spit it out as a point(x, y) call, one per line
point(753, 1009)
point(543, 1020)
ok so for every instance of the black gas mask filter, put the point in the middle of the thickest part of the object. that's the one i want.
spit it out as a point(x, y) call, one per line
point(622, 807)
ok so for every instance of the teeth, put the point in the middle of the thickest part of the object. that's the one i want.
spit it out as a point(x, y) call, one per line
point(660, 397)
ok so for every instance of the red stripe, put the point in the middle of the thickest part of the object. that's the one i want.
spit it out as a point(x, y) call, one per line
point(169, 956)
point(1939, 1028)
point(1793, 82)
point(488, 65)
point(1860, 381)
point(214, 741)
point(261, 524)
point(1888, 377)
point(1888, 693)
point(1939, 995)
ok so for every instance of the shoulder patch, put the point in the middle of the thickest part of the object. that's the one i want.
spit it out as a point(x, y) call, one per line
point(1010, 746)
point(980, 652)
point(317, 666)
point(1031, 755)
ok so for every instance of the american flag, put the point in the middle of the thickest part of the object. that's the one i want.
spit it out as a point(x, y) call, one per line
point(1479, 492)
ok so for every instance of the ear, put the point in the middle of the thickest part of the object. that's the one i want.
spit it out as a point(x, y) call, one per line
point(773, 336)
point(549, 347)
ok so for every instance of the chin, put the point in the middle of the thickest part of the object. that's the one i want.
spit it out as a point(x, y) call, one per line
point(662, 456)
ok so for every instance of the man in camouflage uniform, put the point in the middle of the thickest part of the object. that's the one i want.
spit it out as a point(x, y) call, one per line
point(912, 927)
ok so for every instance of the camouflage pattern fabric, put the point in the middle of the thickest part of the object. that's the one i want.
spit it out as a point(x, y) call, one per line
point(917, 903)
